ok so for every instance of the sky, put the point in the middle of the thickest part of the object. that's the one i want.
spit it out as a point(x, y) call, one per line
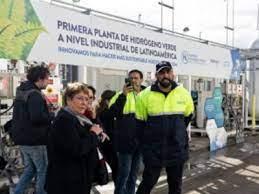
point(204, 18)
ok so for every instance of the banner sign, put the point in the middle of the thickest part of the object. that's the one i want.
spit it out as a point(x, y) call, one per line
point(213, 107)
point(39, 31)
point(238, 65)
point(210, 108)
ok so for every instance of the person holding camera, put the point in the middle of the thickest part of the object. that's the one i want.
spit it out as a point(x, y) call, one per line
point(122, 107)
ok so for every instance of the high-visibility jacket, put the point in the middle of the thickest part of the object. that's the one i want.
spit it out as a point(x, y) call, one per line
point(124, 133)
point(162, 122)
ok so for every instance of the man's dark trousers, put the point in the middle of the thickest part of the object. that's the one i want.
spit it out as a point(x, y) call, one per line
point(152, 173)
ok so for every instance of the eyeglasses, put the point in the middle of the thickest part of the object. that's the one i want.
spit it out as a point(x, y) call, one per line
point(82, 98)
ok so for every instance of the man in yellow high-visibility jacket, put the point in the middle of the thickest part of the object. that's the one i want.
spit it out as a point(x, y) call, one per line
point(163, 112)
point(122, 107)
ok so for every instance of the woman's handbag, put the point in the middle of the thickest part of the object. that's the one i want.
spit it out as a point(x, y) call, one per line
point(101, 173)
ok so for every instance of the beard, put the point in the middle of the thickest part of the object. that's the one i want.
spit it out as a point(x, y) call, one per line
point(165, 83)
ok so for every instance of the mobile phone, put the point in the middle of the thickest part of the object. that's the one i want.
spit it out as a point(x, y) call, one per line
point(128, 81)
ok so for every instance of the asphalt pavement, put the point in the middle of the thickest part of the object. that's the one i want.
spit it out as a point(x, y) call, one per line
point(232, 170)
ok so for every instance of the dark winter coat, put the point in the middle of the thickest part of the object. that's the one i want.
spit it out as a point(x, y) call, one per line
point(31, 118)
point(161, 125)
point(124, 132)
point(72, 156)
point(107, 147)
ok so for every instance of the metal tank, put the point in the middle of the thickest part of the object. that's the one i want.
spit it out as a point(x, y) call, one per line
point(254, 79)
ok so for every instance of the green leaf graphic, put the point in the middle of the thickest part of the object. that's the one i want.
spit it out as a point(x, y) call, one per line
point(19, 28)
point(30, 15)
point(3, 8)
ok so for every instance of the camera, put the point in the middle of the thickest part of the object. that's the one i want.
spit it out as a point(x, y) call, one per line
point(128, 81)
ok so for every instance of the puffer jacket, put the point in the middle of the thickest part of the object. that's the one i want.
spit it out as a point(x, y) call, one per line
point(162, 120)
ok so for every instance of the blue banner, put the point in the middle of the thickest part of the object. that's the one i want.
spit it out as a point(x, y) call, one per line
point(213, 109)
point(238, 65)
point(210, 108)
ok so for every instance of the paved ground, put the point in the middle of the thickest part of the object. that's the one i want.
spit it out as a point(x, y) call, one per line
point(234, 170)
point(233, 177)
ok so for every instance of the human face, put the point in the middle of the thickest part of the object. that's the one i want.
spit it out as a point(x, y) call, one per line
point(91, 97)
point(78, 103)
point(135, 79)
point(42, 83)
point(165, 77)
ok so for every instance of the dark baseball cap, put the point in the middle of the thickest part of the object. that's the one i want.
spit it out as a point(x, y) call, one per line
point(162, 65)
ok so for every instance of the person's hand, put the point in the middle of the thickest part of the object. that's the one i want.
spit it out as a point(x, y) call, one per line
point(96, 129)
point(53, 108)
point(127, 89)
point(93, 112)
point(104, 136)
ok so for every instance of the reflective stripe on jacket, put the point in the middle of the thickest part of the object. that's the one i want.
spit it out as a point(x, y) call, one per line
point(123, 108)
point(162, 123)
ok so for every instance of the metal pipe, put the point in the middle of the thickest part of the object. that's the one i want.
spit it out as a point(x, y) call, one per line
point(253, 111)
point(200, 35)
point(139, 18)
point(257, 26)
point(243, 78)
point(173, 15)
point(166, 5)
point(233, 23)
point(161, 15)
point(227, 22)
point(253, 98)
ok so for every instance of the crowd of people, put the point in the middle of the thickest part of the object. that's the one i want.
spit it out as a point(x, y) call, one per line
point(61, 149)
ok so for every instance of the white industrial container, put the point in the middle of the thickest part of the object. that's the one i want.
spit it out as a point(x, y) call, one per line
point(255, 45)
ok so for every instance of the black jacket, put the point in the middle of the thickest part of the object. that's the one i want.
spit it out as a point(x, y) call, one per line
point(124, 131)
point(31, 118)
point(106, 119)
point(72, 156)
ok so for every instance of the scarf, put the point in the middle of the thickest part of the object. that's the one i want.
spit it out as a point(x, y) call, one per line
point(81, 118)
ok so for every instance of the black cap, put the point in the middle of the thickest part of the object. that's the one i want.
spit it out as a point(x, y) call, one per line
point(162, 65)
